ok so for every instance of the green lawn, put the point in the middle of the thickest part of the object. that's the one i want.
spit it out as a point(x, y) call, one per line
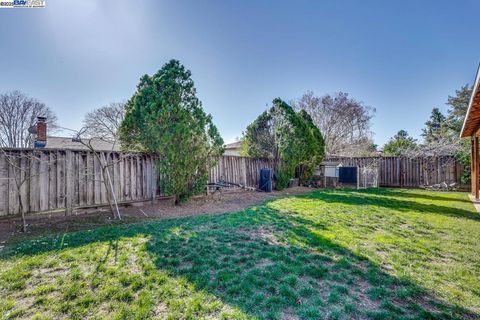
point(345, 254)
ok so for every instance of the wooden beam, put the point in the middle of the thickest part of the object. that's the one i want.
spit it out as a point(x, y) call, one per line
point(472, 166)
point(472, 121)
point(475, 168)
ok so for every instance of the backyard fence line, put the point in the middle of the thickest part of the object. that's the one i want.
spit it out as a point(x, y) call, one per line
point(240, 170)
point(56, 179)
point(59, 179)
point(409, 172)
point(52, 179)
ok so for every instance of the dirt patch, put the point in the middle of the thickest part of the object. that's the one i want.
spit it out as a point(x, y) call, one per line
point(267, 234)
point(289, 314)
point(219, 202)
point(264, 263)
point(160, 310)
point(364, 302)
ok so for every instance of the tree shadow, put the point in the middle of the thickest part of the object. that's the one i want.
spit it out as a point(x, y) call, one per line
point(385, 200)
point(270, 265)
point(423, 194)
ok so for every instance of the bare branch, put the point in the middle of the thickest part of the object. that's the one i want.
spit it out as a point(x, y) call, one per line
point(20, 174)
point(104, 122)
point(344, 122)
point(17, 114)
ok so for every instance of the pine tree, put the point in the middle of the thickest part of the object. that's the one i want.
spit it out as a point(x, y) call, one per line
point(165, 117)
point(458, 106)
point(288, 138)
point(399, 144)
point(435, 128)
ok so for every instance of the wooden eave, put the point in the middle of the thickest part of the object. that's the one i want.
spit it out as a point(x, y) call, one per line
point(471, 124)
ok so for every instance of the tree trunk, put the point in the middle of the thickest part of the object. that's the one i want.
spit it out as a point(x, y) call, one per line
point(24, 222)
point(109, 199)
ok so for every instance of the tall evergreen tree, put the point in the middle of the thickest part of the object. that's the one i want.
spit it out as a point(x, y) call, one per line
point(458, 105)
point(399, 144)
point(165, 116)
point(288, 138)
point(436, 127)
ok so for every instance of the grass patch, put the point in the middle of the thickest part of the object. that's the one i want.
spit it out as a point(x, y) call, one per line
point(343, 254)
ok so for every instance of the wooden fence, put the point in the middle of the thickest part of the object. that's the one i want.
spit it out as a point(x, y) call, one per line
point(239, 170)
point(409, 172)
point(52, 179)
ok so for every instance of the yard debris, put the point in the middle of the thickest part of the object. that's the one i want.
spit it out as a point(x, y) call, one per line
point(221, 185)
point(443, 186)
point(146, 215)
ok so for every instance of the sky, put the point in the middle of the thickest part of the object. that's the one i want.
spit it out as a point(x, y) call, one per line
point(400, 57)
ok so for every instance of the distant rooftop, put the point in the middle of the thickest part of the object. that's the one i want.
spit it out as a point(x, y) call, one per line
point(233, 145)
point(68, 143)
point(233, 149)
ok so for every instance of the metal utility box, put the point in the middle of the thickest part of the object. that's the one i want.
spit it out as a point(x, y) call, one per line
point(331, 171)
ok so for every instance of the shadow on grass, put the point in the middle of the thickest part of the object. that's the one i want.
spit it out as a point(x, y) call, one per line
point(271, 266)
point(422, 194)
point(384, 198)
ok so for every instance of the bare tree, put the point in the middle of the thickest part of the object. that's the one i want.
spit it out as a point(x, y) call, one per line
point(20, 163)
point(17, 114)
point(439, 148)
point(106, 167)
point(345, 123)
point(104, 122)
point(443, 149)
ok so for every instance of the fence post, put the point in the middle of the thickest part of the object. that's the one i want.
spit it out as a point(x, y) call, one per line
point(244, 169)
point(402, 172)
point(68, 182)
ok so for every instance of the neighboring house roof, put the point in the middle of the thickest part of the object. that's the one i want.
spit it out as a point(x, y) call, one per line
point(329, 163)
point(68, 143)
point(472, 119)
point(234, 145)
point(233, 149)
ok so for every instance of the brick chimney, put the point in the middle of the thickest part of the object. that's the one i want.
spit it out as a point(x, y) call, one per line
point(41, 139)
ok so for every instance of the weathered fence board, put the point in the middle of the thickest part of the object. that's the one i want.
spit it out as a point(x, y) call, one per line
point(239, 170)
